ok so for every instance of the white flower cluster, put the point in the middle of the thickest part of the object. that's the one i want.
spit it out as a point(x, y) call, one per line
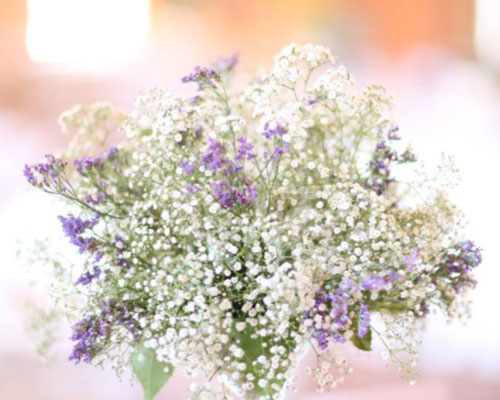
point(236, 230)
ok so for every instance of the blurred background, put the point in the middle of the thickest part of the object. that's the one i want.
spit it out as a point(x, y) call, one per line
point(440, 59)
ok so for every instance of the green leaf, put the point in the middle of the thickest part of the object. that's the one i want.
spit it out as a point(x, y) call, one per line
point(255, 347)
point(364, 343)
point(149, 371)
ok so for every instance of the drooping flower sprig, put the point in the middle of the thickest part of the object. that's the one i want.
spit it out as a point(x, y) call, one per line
point(230, 230)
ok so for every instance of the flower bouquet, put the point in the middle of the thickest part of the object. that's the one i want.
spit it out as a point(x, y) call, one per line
point(232, 231)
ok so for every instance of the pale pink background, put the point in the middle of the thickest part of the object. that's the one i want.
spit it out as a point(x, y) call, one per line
point(446, 99)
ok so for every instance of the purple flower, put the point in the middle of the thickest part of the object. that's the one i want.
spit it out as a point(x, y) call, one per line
point(363, 320)
point(381, 145)
point(407, 156)
point(229, 196)
point(30, 176)
point(74, 227)
point(111, 153)
point(212, 158)
point(411, 261)
point(373, 283)
point(251, 194)
point(380, 167)
point(225, 194)
point(392, 134)
point(393, 276)
point(458, 262)
point(120, 246)
point(188, 168)
point(98, 257)
point(51, 167)
point(226, 64)
point(334, 319)
point(48, 171)
point(274, 130)
point(245, 150)
point(191, 188)
point(232, 168)
point(85, 164)
point(88, 277)
point(87, 334)
point(92, 333)
point(98, 198)
point(279, 151)
point(332, 313)
point(194, 100)
point(313, 100)
point(203, 77)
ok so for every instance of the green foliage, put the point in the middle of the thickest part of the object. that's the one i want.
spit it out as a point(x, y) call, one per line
point(149, 371)
point(364, 343)
point(254, 347)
